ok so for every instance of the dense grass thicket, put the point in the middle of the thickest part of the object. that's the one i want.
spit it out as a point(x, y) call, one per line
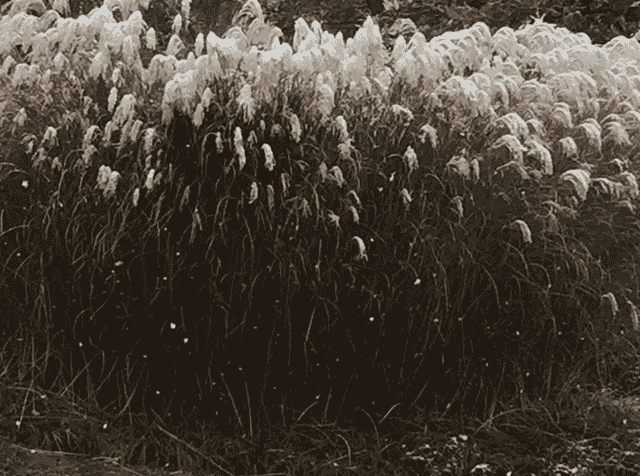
point(367, 301)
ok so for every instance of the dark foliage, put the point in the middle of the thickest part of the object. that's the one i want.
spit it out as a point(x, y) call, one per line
point(376, 6)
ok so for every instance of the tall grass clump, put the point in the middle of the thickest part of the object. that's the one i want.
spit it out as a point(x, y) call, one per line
point(296, 247)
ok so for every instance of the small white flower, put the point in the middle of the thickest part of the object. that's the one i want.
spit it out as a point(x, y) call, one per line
point(335, 174)
point(334, 219)
point(524, 229)
point(110, 189)
point(354, 214)
point(254, 192)
point(149, 183)
point(103, 176)
point(113, 97)
point(151, 39)
point(269, 162)
point(362, 253)
point(295, 127)
point(411, 159)
point(406, 198)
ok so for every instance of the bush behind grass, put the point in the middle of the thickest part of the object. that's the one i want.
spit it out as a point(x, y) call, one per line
point(356, 326)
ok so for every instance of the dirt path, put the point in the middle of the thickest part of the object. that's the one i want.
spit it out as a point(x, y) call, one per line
point(16, 460)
